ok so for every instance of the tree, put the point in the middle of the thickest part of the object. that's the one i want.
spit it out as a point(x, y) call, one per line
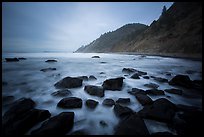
point(164, 10)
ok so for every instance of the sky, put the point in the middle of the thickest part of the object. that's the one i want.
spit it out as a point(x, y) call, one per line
point(66, 26)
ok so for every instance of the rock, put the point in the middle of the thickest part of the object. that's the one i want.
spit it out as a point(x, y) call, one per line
point(94, 90)
point(51, 60)
point(181, 80)
point(151, 85)
point(21, 58)
point(160, 79)
point(57, 125)
point(91, 103)
point(103, 123)
point(79, 132)
point(161, 109)
point(103, 62)
point(136, 91)
point(70, 102)
point(128, 70)
point(155, 92)
point(11, 59)
point(174, 91)
point(92, 77)
point(113, 84)
point(25, 121)
point(62, 93)
point(48, 69)
point(69, 82)
point(135, 76)
point(108, 102)
point(161, 134)
point(132, 125)
point(95, 57)
point(168, 73)
point(102, 73)
point(122, 111)
point(143, 99)
point(146, 77)
point(83, 78)
point(123, 100)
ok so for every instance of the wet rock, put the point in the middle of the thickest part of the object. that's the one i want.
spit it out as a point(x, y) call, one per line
point(103, 123)
point(161, 109)
point(79, 132)
point(92, 77)
point(94, 90)
point(25, 121)
point(122, 111)
point(135, 76)
point(51, 60)
point(22, 58)
point(151, 85)
point(103, 62)
point(155, 92)
point(162, 134)
point(146, 77)
point(91, 103)
point(161, 79)
point(108, 102)
point(48, 69)
point(69, 82)
point(83, 78)
point(95, 57)
point(174, 91)
point(11, 59)
point(123, 100)
point(136, 91)
point(62, 93)
point(144, 99)
point(181, 80)
point(57, 125)
point(128, 70)
point(132, 125)
point(70, 102)
point(113, 84)
point(102, 73)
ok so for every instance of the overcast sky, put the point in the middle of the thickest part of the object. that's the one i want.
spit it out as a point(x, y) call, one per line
point(65, 26)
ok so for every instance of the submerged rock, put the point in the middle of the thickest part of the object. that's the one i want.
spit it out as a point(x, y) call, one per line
point(91, 103)
point(122, 111)
point(70, 102)
point(123, 100)
point(155, 92)
point(48, 69)
point(181, 80)
point(128, 70)
point(136, 91)
point(69, 82)
point(83, 78)
point(160, 79)
point(11, 59)
point(108, 102)
point(62, 93)
point(57, 125)
point(103, 123)
point(22, 58)
point(146, 77)
point(135, 76)
point(151, 85)
point(94, 90)
point(92, 77)
point(95, 57)
point(113, 84)
point(143, 99)
point(161, 110)
point(51, 60)
point(174, 91)
point(132, 125)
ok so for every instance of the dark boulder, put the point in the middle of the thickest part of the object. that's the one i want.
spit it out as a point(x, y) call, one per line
point(122, 111)
point(132, 125)
point(11, 59)
point(160, 79)
point(69, 82)
point(123, 101)
point(91, 103)
point(151, 85)
point(181, 80)
point(57, 125)
point(92, 77)
point(70, 102)
point(94, 90)
point(155, 92)
point(113, 84)
point(108, 102)
point(48, 69)
point(135, 76)
point(136, 91)
point(62, 93)
point(95, 57)
point(146, 77)
point(51, 60)
point(103, 123)
point(161, 109)
point(174, 91)
point(22, 58)
point(85, 78)
point(143, 99)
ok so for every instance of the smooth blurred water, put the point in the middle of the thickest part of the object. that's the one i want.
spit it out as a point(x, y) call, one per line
point(26, 80)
